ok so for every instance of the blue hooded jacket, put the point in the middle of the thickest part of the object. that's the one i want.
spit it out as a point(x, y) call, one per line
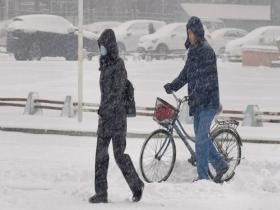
point(200, 72)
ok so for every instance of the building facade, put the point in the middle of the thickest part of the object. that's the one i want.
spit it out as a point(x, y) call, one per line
point(96, 10)
point(102, 10)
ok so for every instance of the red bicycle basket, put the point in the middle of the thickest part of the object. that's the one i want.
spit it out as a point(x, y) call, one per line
point(164, 112)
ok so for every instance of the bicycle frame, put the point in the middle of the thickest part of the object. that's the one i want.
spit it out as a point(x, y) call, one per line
point(185, 137)
point(177, 126)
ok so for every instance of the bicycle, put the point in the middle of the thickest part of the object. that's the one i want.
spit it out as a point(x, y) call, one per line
point(158, 153)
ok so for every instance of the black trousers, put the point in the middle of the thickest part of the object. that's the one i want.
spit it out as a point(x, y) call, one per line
point(115, 130)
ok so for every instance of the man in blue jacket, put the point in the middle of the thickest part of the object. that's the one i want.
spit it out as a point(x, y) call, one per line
point(200, 72)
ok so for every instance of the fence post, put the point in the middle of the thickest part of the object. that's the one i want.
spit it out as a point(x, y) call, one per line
point(68, 108)
point(251, 117)
point(135, 56)
point(30, 108)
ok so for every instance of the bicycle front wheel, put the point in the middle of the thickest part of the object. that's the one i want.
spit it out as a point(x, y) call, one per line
point(228, 144)
point(157, 156)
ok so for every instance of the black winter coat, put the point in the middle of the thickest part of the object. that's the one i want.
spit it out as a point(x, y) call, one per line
point(200, 72)
point(112, 79)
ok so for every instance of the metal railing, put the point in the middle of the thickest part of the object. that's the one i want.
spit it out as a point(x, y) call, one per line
point(262, 116)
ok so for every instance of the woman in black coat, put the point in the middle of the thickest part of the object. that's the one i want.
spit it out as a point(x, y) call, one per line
point(112, 122)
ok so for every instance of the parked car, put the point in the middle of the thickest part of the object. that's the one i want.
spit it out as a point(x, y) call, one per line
point(129, 33)
point(32, 37)
point(261, 36)
point(222, 36)
point(98, 27)
point(212, 24)
point(168, 39)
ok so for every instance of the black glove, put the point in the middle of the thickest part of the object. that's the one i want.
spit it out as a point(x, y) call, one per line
point(168, 88)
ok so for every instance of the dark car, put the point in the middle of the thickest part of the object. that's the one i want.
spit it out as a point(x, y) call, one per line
point(32, 37)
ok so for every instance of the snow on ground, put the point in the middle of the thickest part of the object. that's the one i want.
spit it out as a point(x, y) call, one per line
point(44, 172)
point(55, 78)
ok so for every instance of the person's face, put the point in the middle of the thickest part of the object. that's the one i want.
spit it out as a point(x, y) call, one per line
point(192, 37)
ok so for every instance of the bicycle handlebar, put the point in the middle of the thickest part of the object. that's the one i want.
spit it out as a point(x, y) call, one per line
point(178, 100)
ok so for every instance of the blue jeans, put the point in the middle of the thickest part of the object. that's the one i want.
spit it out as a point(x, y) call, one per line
point(204, 148)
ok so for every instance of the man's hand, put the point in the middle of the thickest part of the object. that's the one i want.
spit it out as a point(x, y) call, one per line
point(168, 88)
point(99, 112)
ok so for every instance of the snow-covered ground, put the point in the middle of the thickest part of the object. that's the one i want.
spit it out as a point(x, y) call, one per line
point(44, 172)
point(54, 78)
point(56, 172)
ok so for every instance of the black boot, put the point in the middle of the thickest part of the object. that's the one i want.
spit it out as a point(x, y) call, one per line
point(137, 195)
point(98, 198)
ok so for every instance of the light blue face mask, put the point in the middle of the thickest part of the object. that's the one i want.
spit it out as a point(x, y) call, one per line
point(103, 50)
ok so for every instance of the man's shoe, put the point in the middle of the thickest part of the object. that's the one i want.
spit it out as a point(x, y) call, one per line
point(137, 195)
point(199, 179)
point(196, 179)
point(97, 198)
point(220, 174)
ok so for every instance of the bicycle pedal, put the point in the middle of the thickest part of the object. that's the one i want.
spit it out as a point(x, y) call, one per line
point(192, 161)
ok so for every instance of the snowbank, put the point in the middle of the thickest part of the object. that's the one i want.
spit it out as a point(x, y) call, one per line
point(54, 172)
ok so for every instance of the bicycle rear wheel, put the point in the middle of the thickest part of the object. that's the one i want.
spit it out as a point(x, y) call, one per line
point(158, 156)
point(228, 144)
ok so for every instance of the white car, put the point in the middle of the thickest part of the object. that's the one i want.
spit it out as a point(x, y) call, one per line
point(221, 37)
point(129, 33)
point(98, 27)
point(212, 24)
point(168, 39)
point(261, 36)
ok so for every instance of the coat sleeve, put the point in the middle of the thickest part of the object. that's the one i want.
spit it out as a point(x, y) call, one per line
point(114, 98)
point(182, 79)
